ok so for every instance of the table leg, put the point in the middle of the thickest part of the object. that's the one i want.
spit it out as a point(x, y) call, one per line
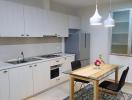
point(71, 88)
point(116, 75)
point(96, 90)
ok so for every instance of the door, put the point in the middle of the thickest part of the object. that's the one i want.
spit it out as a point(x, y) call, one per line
point(21, 82)
point(4, 85)
point(11, 19)
point(72, 43)
point(41, 75)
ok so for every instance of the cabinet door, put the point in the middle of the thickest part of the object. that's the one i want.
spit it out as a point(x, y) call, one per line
point(121, 33)
point(4, 85)
point(41, 72)
point(66, 66)
point(34, 21)
point(67, 63)
point(74, 22)
point(21, 82)
point(57, 24)
point(11, 19)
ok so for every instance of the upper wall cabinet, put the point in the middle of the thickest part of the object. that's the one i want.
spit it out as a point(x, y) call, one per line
point(57, 24)
point(74, 22)
point(35, 21)
point(11, 19)
point(24, 21)
point(121, 33)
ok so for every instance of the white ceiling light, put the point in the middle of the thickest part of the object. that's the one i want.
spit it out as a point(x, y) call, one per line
point(96, 19)
point(109, 22)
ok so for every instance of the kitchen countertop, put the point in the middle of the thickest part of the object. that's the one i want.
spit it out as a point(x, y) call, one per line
point(5, 66)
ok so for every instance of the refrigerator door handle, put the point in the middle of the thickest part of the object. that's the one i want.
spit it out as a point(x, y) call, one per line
point(85, 40)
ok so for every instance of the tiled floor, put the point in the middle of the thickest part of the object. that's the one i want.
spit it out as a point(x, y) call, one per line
point(61, 91)
point(57, 93)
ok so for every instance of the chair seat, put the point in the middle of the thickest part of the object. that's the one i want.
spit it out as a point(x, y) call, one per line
point(83, 81)
point(109, 85)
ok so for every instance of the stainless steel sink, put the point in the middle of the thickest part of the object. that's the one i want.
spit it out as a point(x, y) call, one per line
point(23, 61)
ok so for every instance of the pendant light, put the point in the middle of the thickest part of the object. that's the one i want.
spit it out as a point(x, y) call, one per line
point(109, 22)
point(96, 19)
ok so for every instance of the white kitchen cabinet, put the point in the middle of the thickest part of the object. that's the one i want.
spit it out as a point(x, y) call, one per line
point(74, 22)
point(21, 82)
point(25, 21)
point(35, 21)
point(41, 76)
point(67, 62)
point(4, 85)
point(57, 24)
point(11, 19)
point(66, 66)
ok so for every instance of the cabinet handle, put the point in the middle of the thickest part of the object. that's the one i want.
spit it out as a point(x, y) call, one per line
point(65, 58)
point(5, 71)
point(35, 65)
point(57, 61)
point(22, 34)
point(58, 79)
point(30, 66)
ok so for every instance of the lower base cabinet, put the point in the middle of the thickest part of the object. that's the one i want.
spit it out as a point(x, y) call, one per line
point(4, 85)
point(21, 82)
point(66, 65)
point(41, 76)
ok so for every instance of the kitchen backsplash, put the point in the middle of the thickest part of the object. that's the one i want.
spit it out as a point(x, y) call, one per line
point(10, 48)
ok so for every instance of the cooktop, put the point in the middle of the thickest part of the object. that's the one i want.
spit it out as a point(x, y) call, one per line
point(50, 56)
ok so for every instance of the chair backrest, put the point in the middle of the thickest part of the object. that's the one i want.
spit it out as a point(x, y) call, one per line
point(76, 64)
point(123, 78)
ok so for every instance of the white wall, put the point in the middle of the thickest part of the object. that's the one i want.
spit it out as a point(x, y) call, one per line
point(100, 36)
point(125, 61)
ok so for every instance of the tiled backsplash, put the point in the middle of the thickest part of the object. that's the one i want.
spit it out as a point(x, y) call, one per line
point(10, 48)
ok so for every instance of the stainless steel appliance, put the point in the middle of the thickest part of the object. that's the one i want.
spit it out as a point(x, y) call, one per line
point(50, 56)
point(78, 43)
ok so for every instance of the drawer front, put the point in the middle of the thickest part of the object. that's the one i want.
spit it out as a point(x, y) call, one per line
point(56, 61)
point(69, 58)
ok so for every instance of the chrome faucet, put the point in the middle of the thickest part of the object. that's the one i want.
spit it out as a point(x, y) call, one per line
point(19, 59)
point(22, 56)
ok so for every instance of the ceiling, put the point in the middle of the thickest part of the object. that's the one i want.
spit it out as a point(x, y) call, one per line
point(81, 3)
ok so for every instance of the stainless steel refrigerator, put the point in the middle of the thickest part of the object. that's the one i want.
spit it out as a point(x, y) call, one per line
point(78, 43)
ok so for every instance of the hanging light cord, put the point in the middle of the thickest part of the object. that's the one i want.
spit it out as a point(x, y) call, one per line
point(110, 6)
point(96, 4)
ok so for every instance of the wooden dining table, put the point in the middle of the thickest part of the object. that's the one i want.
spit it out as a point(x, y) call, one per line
point(93, 74)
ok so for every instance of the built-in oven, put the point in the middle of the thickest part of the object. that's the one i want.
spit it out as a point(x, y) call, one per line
point(55, 71)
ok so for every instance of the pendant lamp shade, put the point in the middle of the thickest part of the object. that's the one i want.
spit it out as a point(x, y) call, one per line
point(109, 22)
point(96, 19)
